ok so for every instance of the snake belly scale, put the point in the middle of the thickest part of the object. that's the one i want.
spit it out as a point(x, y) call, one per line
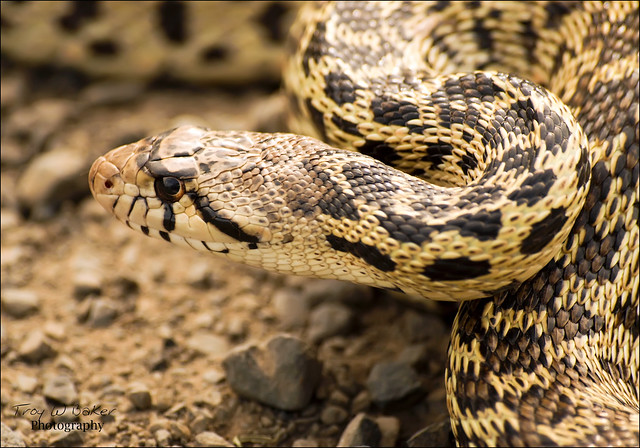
point(465, 180)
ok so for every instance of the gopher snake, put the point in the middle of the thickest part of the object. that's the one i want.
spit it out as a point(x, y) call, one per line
point(522, 206)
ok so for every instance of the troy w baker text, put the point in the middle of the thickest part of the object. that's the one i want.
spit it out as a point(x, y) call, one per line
point(25, 409)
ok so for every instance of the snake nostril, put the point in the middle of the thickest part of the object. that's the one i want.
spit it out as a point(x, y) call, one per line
point(108, 184)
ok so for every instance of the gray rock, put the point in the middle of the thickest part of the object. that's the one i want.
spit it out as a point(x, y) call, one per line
point(436, 434)
point(9, 437)
point(19, 302)
point(390, 382)
point(140, 396)
point(361, 431)
point(35, 347)
point(329, 319)
point(61, 389)
point(281, 373)
point(210, 438)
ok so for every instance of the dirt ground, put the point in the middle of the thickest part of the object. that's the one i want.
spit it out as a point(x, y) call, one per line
point(136, 329)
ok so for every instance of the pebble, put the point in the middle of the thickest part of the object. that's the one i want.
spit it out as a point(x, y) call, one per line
point(35, 347)
point(213, 376)
point(140, 396)
point(329, 319)
point(87, 282)
point(436, 434)
point(26, 383)
point(361, 402)
point(332, 414)
point(102, 312)
point(162, 437)
point(281, 372)
point(362, 430)
point(210, 438)
point(392, 381)
point(61, 389)
point(9, 437)
point(50, 179)
point(19, 302)
point(208, 344)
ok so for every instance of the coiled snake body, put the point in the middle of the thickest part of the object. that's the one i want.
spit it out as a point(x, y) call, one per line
point(526, 208)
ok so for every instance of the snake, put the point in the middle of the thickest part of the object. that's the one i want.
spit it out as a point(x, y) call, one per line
point(479, 152)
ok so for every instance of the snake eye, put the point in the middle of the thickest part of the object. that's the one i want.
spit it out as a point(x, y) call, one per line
point(169, 188)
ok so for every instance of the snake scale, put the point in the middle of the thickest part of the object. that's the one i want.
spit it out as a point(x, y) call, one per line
point(470, 181)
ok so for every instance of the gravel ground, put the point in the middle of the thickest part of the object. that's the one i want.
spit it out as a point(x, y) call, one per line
point(157, 345)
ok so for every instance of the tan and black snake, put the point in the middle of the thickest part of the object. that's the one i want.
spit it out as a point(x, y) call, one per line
point(470, 182)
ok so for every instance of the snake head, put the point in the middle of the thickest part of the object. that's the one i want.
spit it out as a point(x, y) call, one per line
point(210, 190)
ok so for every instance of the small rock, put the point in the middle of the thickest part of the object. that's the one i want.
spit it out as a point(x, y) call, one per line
point(393, 381)
point(201, 422)
point(332, 414)
point(436, 434)
point(422, 327)
point(213, 376)
point(35, 347)
point(390, 428)
point(55, 330)
point(208, 344)
point(291, 308)
point(19, 302)
point(87, 282)
point(361, 402)
point(102, 312)
point(26, 383)
point(162, 436)
point(9, 437)
point(361, 431)
point(329, 319)
point(140, 396)
point(49, 179)
point(281, 373)
point(61, 389)
point(210, 438)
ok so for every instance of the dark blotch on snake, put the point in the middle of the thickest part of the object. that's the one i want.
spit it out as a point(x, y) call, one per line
point(104, 47)
point(172, 18)
point(214, 53)
point(534, 188)
point(79, 13)
point(165, 236)
point(271, 21)
point(339, 87)
point(544, 231)
point(169, 219)
point(226, 226)
point(369, 254)
point(461, 268)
